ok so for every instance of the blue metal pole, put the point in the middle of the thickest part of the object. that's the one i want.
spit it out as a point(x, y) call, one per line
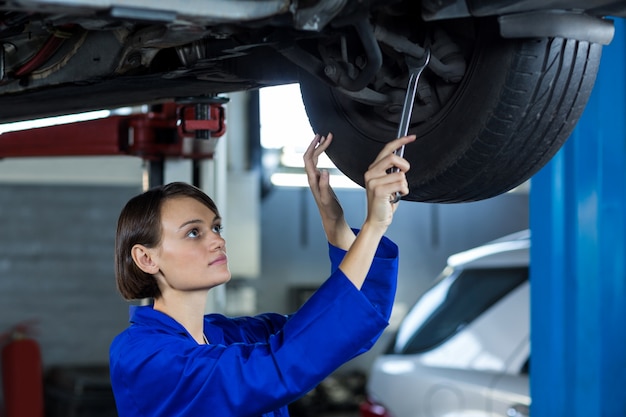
point(578, 258)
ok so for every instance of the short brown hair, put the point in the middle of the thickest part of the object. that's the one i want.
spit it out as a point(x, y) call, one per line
point(140, 223)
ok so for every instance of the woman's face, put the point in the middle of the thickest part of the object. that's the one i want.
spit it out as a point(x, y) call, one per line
point(192, 253)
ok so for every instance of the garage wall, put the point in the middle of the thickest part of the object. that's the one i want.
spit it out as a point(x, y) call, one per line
point(56, 267)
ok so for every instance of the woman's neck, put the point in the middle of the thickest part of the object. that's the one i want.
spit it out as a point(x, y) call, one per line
point(187, 308)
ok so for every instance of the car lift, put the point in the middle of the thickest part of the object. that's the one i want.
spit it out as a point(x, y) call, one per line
point(174, 129)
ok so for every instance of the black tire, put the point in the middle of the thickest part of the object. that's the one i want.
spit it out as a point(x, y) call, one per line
point(517, 103)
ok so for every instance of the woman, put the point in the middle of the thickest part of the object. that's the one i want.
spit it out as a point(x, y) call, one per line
point(175, 361)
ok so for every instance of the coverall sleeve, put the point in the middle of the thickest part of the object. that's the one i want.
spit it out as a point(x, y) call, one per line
point(381, 282)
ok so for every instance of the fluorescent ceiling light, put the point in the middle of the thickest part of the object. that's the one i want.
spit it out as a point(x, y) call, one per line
point(51, 121)
point(69, 118)
point(292, 158)
point(284, 179)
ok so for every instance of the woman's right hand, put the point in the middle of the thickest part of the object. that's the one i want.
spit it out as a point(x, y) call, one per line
point(382, 185)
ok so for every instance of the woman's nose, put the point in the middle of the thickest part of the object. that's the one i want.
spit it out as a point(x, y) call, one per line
point(218, 243)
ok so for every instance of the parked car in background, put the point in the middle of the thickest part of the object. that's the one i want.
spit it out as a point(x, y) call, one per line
point(463, 350)
point(506, 83)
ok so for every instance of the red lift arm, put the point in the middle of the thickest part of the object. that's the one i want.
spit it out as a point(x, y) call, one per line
point(173, 129)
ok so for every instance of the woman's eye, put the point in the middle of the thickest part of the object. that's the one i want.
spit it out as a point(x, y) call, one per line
point(218, 228)
point(193, 233)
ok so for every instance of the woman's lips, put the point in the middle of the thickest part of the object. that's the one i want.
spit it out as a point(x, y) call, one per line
point(218, 261)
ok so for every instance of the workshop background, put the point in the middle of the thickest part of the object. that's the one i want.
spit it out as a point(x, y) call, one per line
point(57, 225)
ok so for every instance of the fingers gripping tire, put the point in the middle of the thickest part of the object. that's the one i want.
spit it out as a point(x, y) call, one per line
point(515, 107)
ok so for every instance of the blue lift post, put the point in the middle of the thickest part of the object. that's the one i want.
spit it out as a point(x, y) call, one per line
point(578, 258)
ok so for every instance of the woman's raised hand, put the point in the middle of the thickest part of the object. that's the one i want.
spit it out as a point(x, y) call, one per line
point(337, 230)
point(381, 185)
point(381, 188)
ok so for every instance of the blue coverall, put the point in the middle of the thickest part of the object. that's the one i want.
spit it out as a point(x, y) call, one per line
point(252, 366)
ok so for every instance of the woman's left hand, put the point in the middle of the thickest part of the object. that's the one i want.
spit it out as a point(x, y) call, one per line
point(337, 230)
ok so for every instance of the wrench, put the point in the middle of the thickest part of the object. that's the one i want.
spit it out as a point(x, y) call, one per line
point(416, 66)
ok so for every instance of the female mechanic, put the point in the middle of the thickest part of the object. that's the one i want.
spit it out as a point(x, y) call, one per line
point(173, 360)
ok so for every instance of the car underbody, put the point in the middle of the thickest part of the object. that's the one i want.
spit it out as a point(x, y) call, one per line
point(68, 56)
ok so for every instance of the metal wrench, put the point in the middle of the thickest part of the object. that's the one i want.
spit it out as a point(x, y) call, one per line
point(416, 66)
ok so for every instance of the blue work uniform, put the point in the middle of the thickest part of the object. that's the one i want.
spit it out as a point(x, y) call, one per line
point(252, 366)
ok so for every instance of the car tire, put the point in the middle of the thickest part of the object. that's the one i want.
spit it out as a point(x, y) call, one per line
point(516, 105)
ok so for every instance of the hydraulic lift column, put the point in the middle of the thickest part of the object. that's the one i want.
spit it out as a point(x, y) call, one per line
point(578, 267)
point(200, 123)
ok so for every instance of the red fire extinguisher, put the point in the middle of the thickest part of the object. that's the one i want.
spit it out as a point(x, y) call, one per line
point(22, 374)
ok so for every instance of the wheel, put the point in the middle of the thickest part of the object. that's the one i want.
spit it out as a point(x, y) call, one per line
point(516, 104)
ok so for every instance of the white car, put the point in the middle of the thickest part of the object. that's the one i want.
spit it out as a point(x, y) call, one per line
point(463, 349)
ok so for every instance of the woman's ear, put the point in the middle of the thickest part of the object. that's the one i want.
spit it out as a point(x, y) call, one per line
point(143, 259)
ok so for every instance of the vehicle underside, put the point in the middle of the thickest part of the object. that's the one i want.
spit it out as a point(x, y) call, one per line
point(505, 86)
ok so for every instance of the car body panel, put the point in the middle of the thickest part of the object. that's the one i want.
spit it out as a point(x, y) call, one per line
point(488, 343)
point(479, 371)
point(508, 392)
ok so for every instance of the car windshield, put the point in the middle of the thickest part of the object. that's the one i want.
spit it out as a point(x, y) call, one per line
point(453, 302)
